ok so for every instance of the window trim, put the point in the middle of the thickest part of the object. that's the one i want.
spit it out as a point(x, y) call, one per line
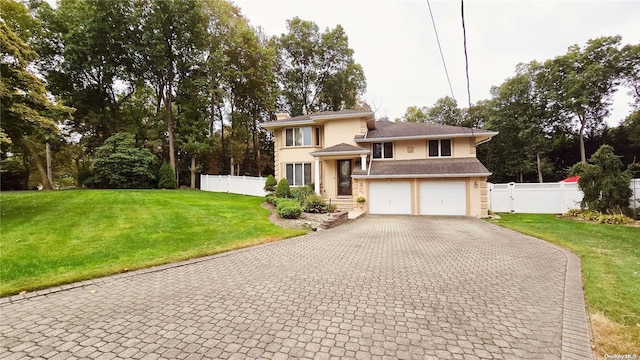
point(303, 165)
point(440, 148)
point(383, 157)
point(295, 131)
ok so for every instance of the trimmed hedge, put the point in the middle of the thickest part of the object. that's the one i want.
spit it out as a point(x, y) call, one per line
point(288, 208)
point(315, 204)
point(598, 217)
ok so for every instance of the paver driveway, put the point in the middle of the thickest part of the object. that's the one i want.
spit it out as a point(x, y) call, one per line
point(381, 287)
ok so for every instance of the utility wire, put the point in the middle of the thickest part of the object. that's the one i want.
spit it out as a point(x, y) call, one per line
point(466, 58)
point(440, 47)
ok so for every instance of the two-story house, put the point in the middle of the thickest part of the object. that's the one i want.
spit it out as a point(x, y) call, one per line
point(399, 168)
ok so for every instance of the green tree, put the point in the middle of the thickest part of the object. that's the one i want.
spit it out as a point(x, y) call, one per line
point(120, 164)
point(317, 71)
point(414, 114)
point(29, 118)
point(445, 111)
point(166, 179)
point(283, 190)
point(519, 115)
point(270, 184)
point(630, 57)
point(173, 38)
point(581, 83)
point(604, 182)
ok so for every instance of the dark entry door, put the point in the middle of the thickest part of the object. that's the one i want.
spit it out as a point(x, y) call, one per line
point(344, 177)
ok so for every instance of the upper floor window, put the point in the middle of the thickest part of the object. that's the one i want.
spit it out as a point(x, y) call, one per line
point(440, 148)
point(300, 136)
point(383, 150)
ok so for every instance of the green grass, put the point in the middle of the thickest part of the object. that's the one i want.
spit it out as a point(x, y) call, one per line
point(56, 237)
point(610, 256)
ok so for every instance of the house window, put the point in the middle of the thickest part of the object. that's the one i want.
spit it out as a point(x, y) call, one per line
point(298, 136)
point(440, 148)
point(317, 136)
point(299, 174)
point(383, 150)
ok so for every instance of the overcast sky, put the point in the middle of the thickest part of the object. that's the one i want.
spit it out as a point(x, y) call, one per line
point(395, 43)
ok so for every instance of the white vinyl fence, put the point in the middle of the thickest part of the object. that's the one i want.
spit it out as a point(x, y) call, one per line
point(245, 185)
point(543, 198)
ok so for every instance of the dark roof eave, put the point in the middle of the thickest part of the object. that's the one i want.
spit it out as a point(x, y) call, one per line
point(421, 176)
point(420, 137)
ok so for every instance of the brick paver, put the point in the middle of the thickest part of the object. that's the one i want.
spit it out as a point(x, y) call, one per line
point(381, 287)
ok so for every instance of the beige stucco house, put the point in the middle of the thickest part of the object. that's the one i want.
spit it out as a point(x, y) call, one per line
point(399, 168)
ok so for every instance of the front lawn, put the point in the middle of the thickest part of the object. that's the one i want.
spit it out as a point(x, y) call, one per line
point(610, 256)
point(56, 237)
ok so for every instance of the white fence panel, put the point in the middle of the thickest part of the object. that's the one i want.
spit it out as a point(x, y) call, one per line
point(245, 185)
point(543, 198)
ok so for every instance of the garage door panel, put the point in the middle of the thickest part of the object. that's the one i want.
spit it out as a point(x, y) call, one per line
point(390, 197)
point(443, 197)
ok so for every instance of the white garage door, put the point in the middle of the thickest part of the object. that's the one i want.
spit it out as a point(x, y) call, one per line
point(447, 197)
point(390, 197)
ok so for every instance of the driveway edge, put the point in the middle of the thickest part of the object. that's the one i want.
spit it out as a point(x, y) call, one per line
point(576, 332)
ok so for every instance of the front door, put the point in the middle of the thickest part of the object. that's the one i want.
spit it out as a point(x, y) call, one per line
point(344, 177)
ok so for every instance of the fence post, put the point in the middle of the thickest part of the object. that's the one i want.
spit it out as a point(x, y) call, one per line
point(512, 186)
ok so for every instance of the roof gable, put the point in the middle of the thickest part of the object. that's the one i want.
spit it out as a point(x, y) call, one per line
point(392, 130)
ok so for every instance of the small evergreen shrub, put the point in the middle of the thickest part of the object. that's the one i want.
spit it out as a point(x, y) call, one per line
point(361, 199)
point(301, 194)
point(288, 209)
point(166, 178)
point(283, 190)
point(270, 184)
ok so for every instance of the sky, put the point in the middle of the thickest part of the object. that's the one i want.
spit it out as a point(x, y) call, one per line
point(395, 43)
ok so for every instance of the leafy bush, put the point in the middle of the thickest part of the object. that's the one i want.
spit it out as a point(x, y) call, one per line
point(289, 209)
point(120, 164)
point(166, 178)
point(604, 182)
point(596, 216)
point(270, 184)
point(301, 194)
point(361, 199)
point(283, 190)
point(315, 204)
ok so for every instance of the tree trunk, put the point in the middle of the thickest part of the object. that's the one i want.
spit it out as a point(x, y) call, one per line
point(172, 151)
point(46, 184)
point(193, 171)
point(539, 167)
point(583, 125)
point(521, 177)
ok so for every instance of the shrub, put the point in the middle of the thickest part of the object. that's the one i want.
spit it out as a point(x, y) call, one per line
point(596, 216)
point(120, 164)
point(301, 194)
point(604, 182)
point(270, 184)
point(315, 204)
point(283, 190)
point(288, 209)
point(361, 199)
point(166, 178)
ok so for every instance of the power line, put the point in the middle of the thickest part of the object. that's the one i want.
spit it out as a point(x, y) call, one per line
point(466, 58)
point(440, 47)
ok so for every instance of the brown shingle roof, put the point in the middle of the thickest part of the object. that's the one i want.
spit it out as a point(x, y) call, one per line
point(341, 148)
point(318, 114)
point(388, 129)
point(458, 167)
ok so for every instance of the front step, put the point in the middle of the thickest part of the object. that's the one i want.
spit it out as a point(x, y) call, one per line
point(345, 204)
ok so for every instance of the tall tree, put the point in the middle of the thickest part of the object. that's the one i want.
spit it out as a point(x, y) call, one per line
point(630, 58)
point(583, 81)
point(317, 71)
point(445, 111)
point(414, 114)
point(28, 116)
point(519, 115)
point(173, 36)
